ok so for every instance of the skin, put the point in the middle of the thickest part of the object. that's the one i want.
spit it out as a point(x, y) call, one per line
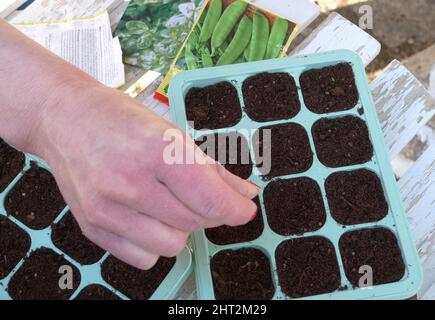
point(105, 150)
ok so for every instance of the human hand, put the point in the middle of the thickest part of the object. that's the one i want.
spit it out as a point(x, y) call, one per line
point(106, 153)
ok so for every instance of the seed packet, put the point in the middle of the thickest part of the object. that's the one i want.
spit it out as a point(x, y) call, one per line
point(230, 32)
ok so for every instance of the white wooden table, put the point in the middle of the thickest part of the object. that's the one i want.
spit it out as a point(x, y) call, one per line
point(403, 105)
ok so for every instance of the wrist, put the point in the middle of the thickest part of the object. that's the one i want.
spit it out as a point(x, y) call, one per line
point(57, 116)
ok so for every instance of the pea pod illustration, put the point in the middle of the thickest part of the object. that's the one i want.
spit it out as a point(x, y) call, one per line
point(190, 59)
point(227, 22)
point(260, 35)
point(211, 19)
point(206, 58)
point(239, 42)
point(277, 38)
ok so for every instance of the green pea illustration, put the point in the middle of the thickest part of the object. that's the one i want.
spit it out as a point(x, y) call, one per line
point(239, 42)
point(211, 19)
point(227, 22)
point(260, 35)
point(277, 38)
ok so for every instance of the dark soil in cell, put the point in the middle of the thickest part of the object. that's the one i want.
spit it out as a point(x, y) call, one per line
point(96, 292)
point(14, 244)
point(11, 163)
point(329, 89)
point(248, 232)
point(289, 150)
point(307, 266)
point(38, 278)
point(213, 107)
point(294, 206)
point(242, 274)
point(135, 283)
point(35, 200)
point(356, 197)
point(342, 141)
point(377, 248)
point(271, 96)
point(231, 150)
point(68, 237)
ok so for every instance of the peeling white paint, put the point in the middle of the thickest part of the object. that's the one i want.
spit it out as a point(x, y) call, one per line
point(336, 32)
point(403, 105)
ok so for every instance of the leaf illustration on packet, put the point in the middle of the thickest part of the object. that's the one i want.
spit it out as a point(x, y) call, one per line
point(152, 31)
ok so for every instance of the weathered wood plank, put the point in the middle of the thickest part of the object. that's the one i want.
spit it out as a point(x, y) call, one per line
point(116, 13)
point(403, 105)
point(147, 81)
point(9, 6)
point(417, 187)
point(156, 106)
point(132, 74)
point(336, 32)
point(430, 293)
point(427, 291)
point(139, 85)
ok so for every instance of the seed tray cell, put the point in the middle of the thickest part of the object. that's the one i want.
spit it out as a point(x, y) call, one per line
point(356, 146)
point(241, 167)
point(34, 245)
point(226, 235)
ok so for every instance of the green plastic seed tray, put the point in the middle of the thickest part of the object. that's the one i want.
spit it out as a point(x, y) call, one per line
point(348, 243)
point(90, 274)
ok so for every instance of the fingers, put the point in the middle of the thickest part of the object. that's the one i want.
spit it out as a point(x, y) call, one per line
point(187, 196)
point(244, 187)
point(202, 189)
point(167, 208)
point(143, 231)
point(121, 248)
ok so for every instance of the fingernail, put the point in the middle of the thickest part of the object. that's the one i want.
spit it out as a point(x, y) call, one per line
point(254, 184)
point(254, 215)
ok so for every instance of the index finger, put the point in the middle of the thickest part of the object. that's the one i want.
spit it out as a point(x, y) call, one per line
point(200, 187)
